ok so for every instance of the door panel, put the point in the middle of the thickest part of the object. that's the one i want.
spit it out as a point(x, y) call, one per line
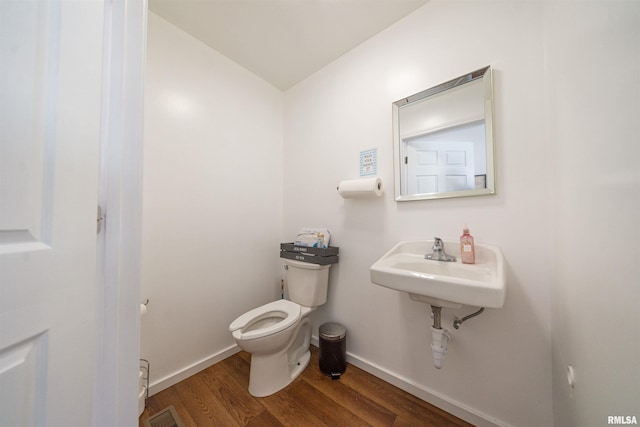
point(20, 367)
point(51, 56)
point(29, 34)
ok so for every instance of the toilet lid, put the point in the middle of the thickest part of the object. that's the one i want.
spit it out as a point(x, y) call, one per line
point(287, 310)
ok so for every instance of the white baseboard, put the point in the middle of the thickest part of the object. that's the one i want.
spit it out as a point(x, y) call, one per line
point(176, 377)
point(445, 403)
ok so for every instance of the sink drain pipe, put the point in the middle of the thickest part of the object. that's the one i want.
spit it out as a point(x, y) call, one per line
point(440, 338)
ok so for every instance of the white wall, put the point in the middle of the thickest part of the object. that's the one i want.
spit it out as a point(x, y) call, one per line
point(593, 75)
point(212, 200)
point(498, 364)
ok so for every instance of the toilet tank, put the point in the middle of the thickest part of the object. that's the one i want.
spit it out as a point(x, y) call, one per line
point(307, 283)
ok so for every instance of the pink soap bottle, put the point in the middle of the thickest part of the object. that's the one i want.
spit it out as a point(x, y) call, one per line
point(467, 248)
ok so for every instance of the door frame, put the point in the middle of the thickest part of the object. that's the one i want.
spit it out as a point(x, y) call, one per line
point(115, 393)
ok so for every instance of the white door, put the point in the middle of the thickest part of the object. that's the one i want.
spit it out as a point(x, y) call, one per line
point(439, 166)
point(50, 83)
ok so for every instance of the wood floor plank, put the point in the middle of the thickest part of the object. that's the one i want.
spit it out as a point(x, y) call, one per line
point(331, 412)
point(219, 396)
point(238, 366)
point(288, 411)
point(401, 422)
point(244, 356)
point(203, 406)
point(233, 395)
point(265, 419)
point(361, 405)
point(407, 406)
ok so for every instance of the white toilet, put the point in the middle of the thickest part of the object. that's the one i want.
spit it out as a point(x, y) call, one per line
point(278, 334)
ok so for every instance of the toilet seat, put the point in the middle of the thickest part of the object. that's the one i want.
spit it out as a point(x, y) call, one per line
point(287, 310)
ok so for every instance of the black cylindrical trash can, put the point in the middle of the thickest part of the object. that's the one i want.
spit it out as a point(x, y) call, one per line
point(333, 349)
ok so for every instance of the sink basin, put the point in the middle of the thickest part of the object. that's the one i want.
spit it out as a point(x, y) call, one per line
point(445, 284)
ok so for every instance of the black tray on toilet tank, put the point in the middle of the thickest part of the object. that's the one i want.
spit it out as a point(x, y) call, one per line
point(320, 256)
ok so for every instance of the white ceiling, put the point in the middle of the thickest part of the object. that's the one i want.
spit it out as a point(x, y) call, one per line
point(283, 41)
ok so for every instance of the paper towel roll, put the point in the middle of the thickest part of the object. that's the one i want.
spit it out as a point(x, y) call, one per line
point(361, 188)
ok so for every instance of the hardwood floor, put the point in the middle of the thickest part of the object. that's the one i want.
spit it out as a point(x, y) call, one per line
point(218, 396)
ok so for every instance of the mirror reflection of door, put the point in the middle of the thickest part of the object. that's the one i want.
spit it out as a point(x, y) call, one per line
point(448, 160)
point(437, 166)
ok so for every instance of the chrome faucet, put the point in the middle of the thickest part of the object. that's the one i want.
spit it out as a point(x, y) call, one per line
point(438, 252)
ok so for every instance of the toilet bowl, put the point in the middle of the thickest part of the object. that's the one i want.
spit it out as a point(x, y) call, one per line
point(278, 334)
point(266, 329)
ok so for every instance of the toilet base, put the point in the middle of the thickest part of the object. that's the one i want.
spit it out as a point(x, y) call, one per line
point(272, 372)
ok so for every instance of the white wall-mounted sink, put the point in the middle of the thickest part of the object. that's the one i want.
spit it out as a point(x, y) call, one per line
point(444, 284)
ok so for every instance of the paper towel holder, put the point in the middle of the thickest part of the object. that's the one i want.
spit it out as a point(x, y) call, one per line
point(365, 187)
point(361, 188)
point(379, 188)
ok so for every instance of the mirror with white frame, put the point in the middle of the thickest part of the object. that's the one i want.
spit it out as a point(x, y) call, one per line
point(443, 140)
